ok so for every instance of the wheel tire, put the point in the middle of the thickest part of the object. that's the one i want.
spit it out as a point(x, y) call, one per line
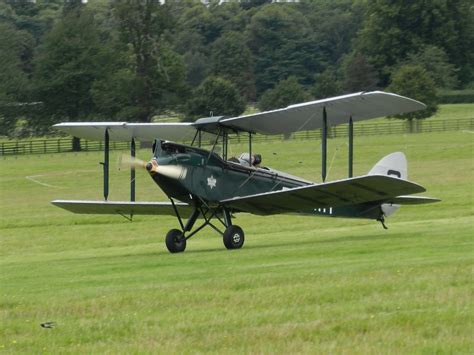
point(175, 241)
point(234, 237)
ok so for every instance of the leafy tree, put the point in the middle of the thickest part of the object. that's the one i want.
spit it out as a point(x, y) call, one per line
point(196, 58)
point(247, 4)
point(197, 67)
point(414, 82)
point(132, 59)
point(34, 18)
point(113, 95)
point(229, 17)
point(287, 92)
point(158, 71)
point(334, 25)
point(197, 28)
point(459, 42)
point(232, 60)
point(326, 85)
point(67, 65)
point(198, 20)
point(282, 45)
point(215, 96)
point(436, 63)
point(360, 74)
point(393, 29)
point(15, 49)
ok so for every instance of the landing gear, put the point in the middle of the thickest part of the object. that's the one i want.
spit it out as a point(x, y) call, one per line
point(175, 242)
point(233, 237)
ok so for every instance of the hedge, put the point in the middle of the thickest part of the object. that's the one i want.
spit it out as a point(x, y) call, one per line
point(456, 96)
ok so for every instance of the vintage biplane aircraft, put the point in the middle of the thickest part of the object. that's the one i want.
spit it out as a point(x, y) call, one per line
point(210, 185)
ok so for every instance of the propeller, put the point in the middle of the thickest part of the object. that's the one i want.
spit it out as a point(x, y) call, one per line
point(171, 171)
point(131, 162)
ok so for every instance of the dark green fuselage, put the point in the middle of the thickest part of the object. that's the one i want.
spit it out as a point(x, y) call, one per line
point(211, 178)
point(205, 175)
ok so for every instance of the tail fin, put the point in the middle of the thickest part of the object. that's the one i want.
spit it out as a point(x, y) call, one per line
point(394, 164)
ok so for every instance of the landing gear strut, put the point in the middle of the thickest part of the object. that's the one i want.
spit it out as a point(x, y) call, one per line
point(233, 236)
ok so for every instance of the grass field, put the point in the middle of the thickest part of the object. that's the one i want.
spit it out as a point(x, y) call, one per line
point(299, 285)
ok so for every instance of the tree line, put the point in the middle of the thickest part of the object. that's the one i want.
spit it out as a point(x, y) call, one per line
point(135, 60)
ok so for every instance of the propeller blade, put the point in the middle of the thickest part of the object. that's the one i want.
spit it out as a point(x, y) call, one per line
point(171, 171)
point(128, 161)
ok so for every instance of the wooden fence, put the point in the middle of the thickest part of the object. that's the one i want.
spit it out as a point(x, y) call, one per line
point(61, 145)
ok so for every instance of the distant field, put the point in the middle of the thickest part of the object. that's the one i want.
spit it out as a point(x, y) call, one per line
point(299, 284)
point(455, 111)
point(445, 112)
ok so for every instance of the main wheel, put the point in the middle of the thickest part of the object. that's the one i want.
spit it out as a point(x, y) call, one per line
point(175, 241)
point(234, 237)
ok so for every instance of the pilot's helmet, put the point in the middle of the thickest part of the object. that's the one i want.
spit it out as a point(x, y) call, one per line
point(256, 159)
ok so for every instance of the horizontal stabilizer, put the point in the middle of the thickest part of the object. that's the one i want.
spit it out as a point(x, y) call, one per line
point(413, 200)
point(123, 207)
point(362, 189)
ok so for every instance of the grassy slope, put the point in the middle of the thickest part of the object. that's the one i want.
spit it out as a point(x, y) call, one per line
point(300, 284)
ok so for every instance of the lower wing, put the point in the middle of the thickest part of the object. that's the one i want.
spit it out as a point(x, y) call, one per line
point(123, 207)
point(363, 189)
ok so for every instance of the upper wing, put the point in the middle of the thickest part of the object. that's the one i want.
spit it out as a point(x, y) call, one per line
point(300, 117)
point(345, 192)
point(123, 131)
point(308, 116)
point(123, 207)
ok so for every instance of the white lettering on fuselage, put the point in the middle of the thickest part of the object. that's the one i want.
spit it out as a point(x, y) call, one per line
point(323, 210)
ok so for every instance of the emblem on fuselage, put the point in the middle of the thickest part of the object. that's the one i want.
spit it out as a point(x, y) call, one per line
point(211, 182)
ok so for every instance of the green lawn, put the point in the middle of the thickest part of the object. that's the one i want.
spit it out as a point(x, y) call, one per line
point(299, 284)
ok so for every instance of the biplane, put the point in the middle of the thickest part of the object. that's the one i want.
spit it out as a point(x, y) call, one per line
point(210, 186)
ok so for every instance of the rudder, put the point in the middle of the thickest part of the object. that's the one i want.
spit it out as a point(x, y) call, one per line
point(394, 165)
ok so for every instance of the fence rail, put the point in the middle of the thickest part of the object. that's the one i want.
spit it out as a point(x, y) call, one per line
point(61, 145)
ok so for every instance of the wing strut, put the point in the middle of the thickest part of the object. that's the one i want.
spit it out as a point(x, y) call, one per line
point(132, 171)
point(250, 148)
point(225, 144)
point(351, 146)
point(324, 145)
point(105, 164)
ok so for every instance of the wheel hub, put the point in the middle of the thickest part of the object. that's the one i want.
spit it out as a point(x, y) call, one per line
point(236, 238)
